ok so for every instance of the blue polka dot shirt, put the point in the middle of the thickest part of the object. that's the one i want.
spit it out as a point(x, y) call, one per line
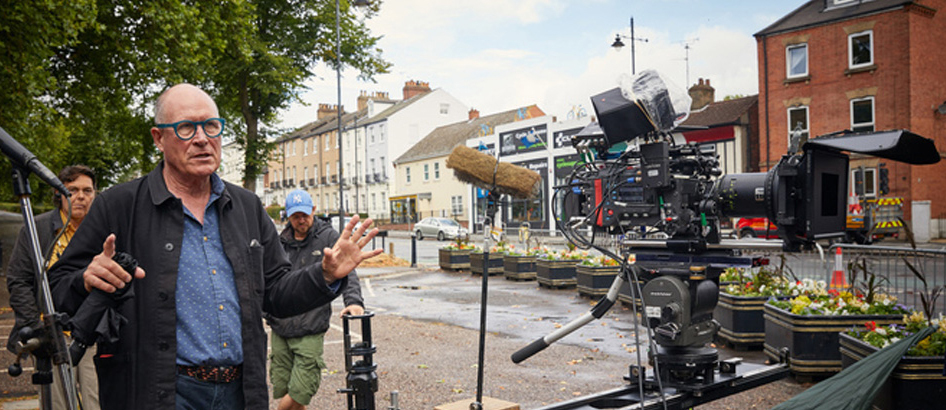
point(208, 307)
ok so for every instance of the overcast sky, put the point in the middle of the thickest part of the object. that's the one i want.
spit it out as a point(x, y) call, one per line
point(496, 55)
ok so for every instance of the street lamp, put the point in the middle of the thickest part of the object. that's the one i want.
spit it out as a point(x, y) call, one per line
point(618, 44)
point(338, 131)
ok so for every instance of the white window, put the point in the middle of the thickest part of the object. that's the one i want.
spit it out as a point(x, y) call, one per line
point(862, 114)
point(860, 49)
point(381, 133)
point(869, 181)
point(426, 172)
point(445, 108)
point(293, 174)
point(372, 134)
point(407, 172)
point(315, 172)
point(796, 56)
point(328, 141)
point(456, 205)
point(305, 147)
point(294, 147)
point(436, 170)
point(798, 124)
point(305, 174)
point(338, 140)
point(381, 165)
point(373, 169)
point(373, 201)
point(328, 169)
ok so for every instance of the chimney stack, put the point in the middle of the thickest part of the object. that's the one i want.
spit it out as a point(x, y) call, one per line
point(362, 100)
point(328, 110)
point(474, 113)
point(702, 94)
point(412, 88)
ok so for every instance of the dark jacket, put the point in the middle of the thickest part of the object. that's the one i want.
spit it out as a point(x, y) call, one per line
point(307, 252)
point(140, 371)
point(21, 279)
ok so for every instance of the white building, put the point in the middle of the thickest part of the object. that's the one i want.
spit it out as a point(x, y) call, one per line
point(232, 165)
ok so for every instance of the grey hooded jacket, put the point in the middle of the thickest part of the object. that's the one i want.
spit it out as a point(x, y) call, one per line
point(306, 252)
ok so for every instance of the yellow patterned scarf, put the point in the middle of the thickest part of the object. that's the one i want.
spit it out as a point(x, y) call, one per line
point(63, 240)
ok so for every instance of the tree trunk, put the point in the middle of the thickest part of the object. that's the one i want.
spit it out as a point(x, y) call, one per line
point(250, 168)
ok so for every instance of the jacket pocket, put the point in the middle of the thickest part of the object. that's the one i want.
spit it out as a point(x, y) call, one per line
point(114, 372)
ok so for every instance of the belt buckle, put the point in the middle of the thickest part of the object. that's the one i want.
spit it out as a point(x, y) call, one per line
point(220, 374)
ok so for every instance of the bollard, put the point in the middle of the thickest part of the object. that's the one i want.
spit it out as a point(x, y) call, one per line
point(394, 404)
point(413, 250)
point(391, 249)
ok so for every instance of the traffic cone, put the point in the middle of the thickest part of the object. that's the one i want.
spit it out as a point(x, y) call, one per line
point(837, 279)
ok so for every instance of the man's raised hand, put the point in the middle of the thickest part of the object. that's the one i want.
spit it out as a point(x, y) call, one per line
point(106, 274)
point(347, 253)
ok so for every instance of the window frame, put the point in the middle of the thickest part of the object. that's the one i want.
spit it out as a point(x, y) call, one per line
point(426, 172)
point(788, 117)
point(873, 174)
point(788, 60)
point(873, 114)
point(850, 49)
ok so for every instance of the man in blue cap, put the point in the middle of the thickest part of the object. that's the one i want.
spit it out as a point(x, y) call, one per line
point(296, 357)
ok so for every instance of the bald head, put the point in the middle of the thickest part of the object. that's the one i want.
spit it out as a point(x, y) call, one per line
point(175, 93)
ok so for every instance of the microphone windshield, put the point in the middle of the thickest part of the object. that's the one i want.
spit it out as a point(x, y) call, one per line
point(474, 167)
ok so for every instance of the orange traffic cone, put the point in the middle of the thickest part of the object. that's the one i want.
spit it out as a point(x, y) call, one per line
point(837, 279)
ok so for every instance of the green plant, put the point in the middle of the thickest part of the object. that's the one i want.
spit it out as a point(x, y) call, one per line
point(883, 336)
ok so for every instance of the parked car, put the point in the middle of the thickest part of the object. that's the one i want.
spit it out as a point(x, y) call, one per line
point(334, 221)
point(756, 228)
point(441, 228)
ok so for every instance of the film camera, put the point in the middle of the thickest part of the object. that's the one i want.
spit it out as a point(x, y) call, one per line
point(663, 201)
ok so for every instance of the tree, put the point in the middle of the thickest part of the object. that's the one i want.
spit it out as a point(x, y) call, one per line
point(264, 71)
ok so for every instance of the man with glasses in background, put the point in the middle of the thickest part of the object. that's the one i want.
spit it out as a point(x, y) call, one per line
point(21, 279)
point(209, 263)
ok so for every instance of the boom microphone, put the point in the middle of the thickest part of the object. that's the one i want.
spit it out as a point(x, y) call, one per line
point(25, 159)
point(481, 170)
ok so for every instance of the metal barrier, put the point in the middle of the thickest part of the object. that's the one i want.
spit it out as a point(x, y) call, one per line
point(890, 265)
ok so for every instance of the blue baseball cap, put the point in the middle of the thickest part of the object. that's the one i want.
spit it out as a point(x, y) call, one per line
point(298, 201)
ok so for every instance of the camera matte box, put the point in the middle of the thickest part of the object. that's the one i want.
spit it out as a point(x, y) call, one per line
point(620, 119)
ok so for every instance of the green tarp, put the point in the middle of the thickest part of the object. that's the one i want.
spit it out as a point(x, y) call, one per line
point(855, 387)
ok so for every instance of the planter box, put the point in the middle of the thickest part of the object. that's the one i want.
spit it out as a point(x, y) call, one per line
point(558, 274)
point(495, 263)
point(519, 267)
point(916, 383)
point(454, 259)
point(595, 280)
point(740, 318)
point(812, 341)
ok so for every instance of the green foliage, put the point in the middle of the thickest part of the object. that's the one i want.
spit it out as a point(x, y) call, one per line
point(273, 211)
point(79, 77)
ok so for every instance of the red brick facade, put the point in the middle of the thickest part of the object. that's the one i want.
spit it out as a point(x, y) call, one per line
point(907, 81)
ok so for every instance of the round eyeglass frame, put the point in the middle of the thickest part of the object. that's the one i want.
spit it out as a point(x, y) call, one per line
point(174, 125)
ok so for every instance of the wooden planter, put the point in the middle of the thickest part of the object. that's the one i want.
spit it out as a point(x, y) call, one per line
point(454, 259)
point(740, 318)
point(595, 280)
point(556, 274)
point(812, 341)
point(916, 383)
point(519, 267)
point(495, 263)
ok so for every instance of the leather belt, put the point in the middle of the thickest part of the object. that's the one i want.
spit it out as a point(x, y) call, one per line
point(212, 374)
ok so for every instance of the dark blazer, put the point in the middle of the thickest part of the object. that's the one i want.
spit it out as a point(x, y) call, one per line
point(21, 279)
point(139, 371)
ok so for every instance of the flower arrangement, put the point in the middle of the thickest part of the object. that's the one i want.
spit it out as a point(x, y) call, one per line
point(764, 282)
point(502, 247)
point(533, 251)
point(562, 255)
point(459, 246)
point(883, 336)
point(834, 302)
point(599, 261)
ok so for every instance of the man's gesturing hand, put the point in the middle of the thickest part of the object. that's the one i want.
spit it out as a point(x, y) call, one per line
point(104, 273)
point(339, 261)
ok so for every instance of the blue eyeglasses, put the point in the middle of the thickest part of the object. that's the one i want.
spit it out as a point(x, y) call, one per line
point(185, 130)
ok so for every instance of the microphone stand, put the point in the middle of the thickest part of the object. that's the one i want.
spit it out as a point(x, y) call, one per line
point(489, 212)
point(47, 344)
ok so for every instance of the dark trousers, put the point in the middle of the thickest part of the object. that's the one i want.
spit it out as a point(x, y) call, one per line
point(193, 394)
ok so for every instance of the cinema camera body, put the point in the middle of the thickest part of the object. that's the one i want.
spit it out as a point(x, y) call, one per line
point(638, 185)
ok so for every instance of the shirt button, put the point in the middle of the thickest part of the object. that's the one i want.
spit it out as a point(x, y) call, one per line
point(221, 307)
point(224, 344)
point(205, 239)
point(213, 271)
point(169, 247)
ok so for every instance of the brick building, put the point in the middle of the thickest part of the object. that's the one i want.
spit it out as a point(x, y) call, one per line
point(860, 65)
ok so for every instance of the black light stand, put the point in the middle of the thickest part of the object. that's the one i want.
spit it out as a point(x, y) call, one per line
point(492, 199)
point(362, 380)
point(47, 343)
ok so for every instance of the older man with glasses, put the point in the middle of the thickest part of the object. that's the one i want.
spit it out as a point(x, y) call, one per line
point(194, 337)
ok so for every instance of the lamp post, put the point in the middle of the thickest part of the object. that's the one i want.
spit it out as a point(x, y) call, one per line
point(618, 44)
point(338, 131)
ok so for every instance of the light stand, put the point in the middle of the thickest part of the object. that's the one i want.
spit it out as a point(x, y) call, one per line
point(338, 132)
point(47, 344)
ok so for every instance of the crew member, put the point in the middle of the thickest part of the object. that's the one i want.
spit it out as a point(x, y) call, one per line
point(296, 363)
point(21, 279)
